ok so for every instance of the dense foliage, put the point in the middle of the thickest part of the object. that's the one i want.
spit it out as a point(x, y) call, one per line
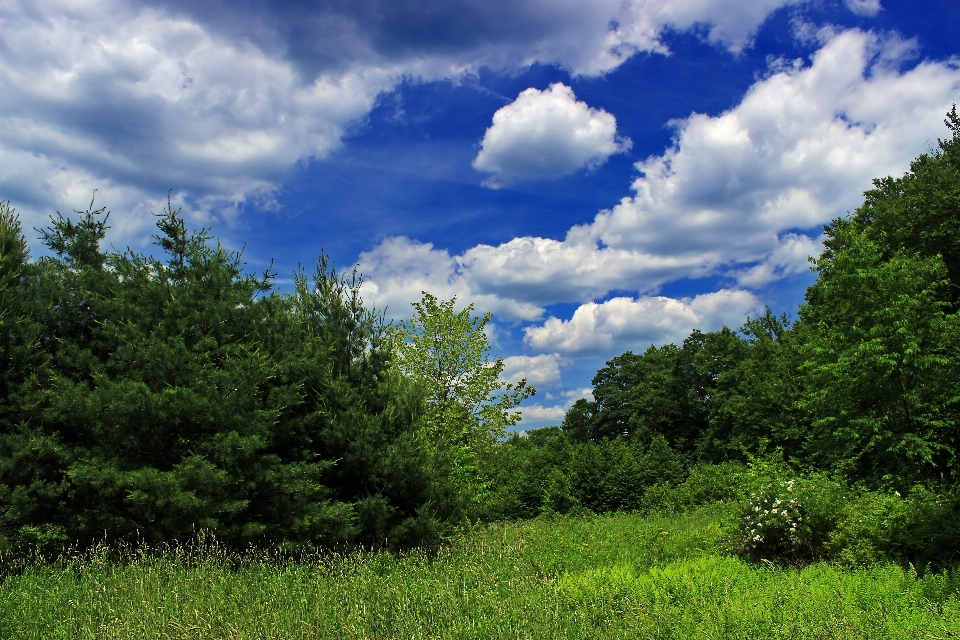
point(148, 398)
point(859, 397)
point(865, 383)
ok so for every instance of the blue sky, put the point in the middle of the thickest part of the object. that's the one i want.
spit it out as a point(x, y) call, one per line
point(601, 175)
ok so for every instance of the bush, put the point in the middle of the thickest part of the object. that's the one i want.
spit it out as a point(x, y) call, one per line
point(922, 528)
point(705, 484)
point(772, 523)
point(789, 518)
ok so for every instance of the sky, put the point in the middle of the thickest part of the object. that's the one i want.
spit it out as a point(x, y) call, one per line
point(600, 175)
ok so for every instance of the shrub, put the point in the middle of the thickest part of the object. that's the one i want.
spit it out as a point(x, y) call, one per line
point(791, 520)
point(705, 484)
point(921, 528)
point(771, 524)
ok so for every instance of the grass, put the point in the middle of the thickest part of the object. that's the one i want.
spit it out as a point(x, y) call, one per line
point(621, 576)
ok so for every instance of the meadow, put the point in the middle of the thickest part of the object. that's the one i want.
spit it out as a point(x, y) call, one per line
point(614, 576)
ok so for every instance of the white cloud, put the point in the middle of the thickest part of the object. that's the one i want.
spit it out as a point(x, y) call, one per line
point(575, 394)
point(538, 413)
point(135, 101)
point(864, 7)
point(398, 270)
point(790, 257)
point(220, 100)
point(540, 371)
point(735, 192)
point(622, 324)
point(546, 134)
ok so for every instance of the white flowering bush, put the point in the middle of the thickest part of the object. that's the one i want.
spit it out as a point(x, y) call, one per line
point(772, 524)
point(792, 520)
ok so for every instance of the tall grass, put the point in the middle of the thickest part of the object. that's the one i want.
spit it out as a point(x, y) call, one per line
point(621, 576)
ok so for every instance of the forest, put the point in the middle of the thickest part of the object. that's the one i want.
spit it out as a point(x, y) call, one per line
point(152, 398)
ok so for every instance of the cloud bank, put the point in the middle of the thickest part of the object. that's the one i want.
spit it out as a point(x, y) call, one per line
point(742, 195)
point(221, 100)
point(622, 324)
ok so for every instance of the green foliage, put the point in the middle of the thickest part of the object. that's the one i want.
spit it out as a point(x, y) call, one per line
point(705, 484)
point(864, 384)
point(791, 520)
point(163, 395)
point(753, 405)
point(881, 365)
point(662, 392)
point(547, 471)
point(881, 331)
point(16, 332)
point(921, 527)
point(445, 354)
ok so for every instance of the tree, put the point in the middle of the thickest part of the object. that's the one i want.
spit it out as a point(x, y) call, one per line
point(163, 394)
point(881, 334)
point(666, 391)
point(753, 405)
point(446, 353)
point(880, 361)
point(18, 334)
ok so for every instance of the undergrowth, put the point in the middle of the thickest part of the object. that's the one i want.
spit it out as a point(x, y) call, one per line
point(615, 576)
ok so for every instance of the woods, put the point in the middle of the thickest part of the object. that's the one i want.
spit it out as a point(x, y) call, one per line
point(149, 397)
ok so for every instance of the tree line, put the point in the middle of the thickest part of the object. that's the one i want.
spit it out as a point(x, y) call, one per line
point(147, 397)
point(864, 384)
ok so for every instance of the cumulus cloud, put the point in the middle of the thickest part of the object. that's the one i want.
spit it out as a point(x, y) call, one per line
point(744, 193)
point(540, 370)
point(587, 37)
point(546, 134)
point(538, 413)
point(790, 257)
point(134, 101)
point(399, 269)
point(221, 99)
point(622, 324)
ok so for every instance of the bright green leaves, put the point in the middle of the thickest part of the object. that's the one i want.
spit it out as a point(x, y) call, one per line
point(446, 352)
point(881, 335)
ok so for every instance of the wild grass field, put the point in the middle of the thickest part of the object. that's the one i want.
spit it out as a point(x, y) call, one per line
point(617, 576)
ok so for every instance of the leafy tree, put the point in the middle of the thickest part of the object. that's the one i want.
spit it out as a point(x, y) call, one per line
point(667, 391)
point(881, 331)
point(880, 361)
point(446, 353)
point(753, 405)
